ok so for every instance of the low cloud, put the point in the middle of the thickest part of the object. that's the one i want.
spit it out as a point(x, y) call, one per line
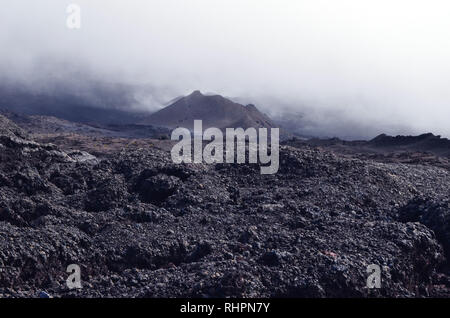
point(350, 69)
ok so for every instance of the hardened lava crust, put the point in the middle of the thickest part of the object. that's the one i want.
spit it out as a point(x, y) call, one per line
point(140, 226)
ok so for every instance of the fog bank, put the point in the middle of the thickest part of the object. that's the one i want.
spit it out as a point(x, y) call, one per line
point(350, 68)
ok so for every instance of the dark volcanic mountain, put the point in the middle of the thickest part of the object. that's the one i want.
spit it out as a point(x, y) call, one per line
point(215, 111)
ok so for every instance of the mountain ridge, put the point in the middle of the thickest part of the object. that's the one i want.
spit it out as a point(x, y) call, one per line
point(214, 110)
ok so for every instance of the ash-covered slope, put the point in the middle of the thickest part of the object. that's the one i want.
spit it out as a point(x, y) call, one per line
point(138, 225)
point(215, 111)
point(46, 126)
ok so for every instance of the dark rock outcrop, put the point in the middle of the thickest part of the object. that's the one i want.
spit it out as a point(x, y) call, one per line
point(435, 214)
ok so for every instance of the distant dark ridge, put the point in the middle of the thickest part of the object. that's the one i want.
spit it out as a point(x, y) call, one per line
point(426, 141)
point(383, 145)
point(108, 106)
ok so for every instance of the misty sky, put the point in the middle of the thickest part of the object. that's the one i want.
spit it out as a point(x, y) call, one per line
point(352, 68)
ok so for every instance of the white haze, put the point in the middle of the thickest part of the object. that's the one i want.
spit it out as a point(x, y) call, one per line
point(351, 68)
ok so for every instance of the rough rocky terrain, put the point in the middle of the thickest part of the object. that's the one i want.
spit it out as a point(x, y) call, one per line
point(425, 149)
point(140, 226)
